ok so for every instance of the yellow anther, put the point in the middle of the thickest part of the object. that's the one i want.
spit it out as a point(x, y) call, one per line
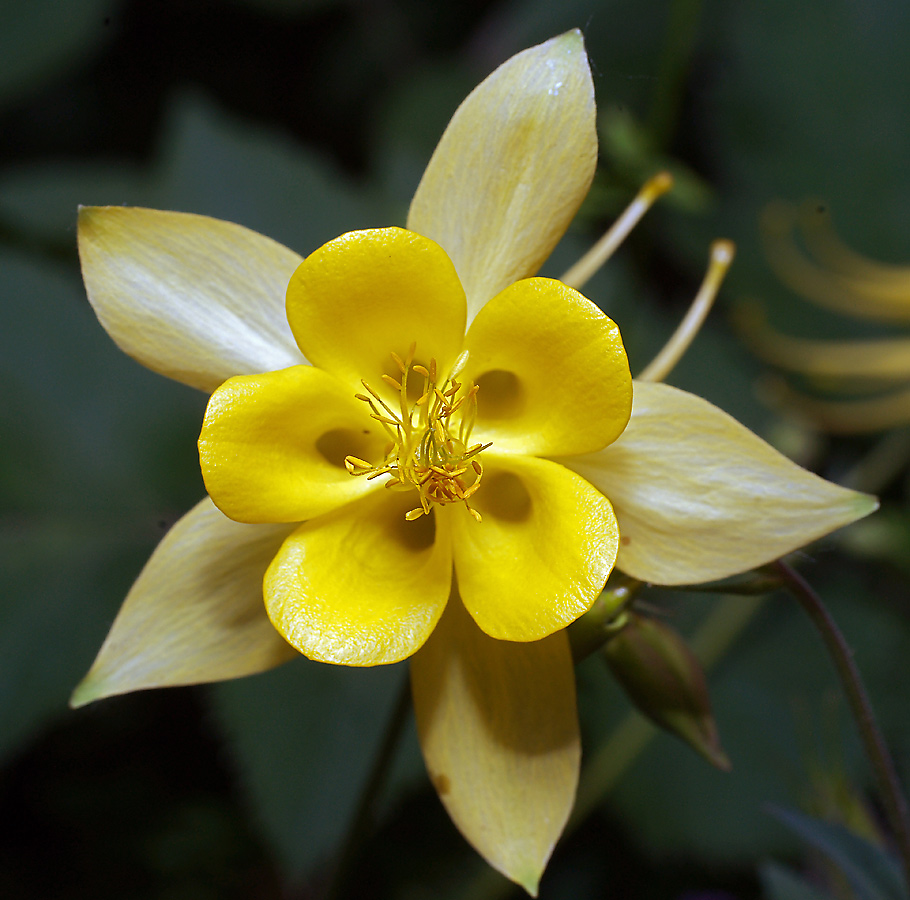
point(429, 440)
point(373, 393)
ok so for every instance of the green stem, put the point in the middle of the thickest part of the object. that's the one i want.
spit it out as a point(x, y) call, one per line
point(682, 29)
point(589, 633)
point(365, 814)
point(882, 464)
point(873, 742)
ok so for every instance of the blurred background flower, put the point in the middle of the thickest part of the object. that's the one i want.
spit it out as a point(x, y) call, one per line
point(851, 384)
point(303, 120)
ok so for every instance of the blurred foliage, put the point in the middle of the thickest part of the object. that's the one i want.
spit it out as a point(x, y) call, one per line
point(303, 120)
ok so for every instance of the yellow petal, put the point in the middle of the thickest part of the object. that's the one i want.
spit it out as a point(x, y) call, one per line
point(365, 294)
point(699, 497)
point(193, 298)
point(195, 614)
point(499, 732)
point(272, 446)
point(552, 370)
point(542, 553)
point(361, 586)
point(512, 168)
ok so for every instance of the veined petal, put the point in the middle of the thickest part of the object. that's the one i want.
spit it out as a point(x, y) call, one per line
point(360, 297)
point(499, 732)
point(699, 497)
point(361, 586)
point(552, 370)
point(542, 553)
point(512, 168)
point(195, 613)
point(272, 446)
point(193, 298)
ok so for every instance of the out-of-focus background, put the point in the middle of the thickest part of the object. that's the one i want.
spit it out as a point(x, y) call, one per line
point(303, 119)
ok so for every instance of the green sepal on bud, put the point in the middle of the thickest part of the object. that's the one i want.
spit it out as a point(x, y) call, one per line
point(663, 678)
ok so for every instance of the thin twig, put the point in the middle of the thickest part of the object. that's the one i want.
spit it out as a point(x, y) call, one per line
point(873, 742)
point(364, 816)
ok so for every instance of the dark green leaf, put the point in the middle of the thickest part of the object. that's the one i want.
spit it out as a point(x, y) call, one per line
point(873, 874)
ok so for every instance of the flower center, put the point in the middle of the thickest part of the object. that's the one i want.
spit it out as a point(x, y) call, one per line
point(430, 448)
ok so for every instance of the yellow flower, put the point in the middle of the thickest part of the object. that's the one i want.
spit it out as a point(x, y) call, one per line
point(506, 401)
point(870, 375)
point(452, 432)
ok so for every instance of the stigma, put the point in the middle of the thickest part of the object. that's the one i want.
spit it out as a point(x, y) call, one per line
point(430, 447)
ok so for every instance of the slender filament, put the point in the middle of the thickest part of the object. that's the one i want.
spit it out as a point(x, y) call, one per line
point(429, 447)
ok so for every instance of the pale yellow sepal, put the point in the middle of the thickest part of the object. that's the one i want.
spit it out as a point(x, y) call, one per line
point(193, 298)
point(367, 294)
point(512, 168)
point(700, 497)
point(195, 613)
point(272, 446)
point(552, 371)
point(541, 556)
point(498, 728)
point(361, 586)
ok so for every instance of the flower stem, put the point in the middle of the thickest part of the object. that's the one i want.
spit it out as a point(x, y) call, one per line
point(681, 34)
point(365, 814)
point(873, 742)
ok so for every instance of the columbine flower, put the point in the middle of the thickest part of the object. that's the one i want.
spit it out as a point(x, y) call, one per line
point(870, 375)
point(444, 442)
point(423, 407)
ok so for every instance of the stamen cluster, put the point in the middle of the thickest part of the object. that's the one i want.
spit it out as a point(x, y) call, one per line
point(429, 447)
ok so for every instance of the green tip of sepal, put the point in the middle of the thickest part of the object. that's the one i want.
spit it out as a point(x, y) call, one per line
point(865, 504)
point(87, 691)
point(529, 881)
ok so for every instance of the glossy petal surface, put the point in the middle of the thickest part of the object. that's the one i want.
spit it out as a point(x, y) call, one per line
point(361, 586)
point(552, 370)
point(191, 297)
point(195, 613)
point(272, 446)
point(699, 497)
point(499, 732)
point(368, 293)
point(541, 556)
point(512, 168)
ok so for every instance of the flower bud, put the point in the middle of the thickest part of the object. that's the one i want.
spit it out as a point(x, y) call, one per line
point(662, 677)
